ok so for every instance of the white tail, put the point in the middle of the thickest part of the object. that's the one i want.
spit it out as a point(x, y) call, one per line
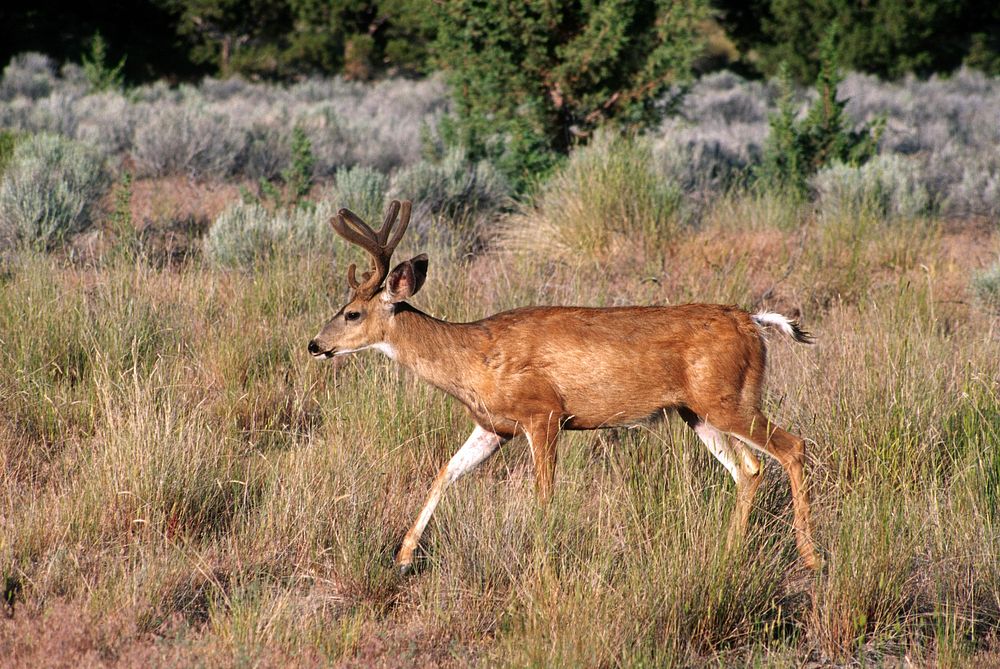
point(784, 324)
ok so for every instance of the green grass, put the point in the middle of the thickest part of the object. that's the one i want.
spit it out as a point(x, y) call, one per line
point(173, 463)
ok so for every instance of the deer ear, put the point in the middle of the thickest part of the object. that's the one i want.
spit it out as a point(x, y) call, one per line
point(406, 279)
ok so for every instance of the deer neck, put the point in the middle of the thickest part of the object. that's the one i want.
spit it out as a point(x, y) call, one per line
point(437, 351)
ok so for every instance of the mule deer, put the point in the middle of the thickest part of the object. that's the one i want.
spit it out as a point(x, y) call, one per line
point(538, 370)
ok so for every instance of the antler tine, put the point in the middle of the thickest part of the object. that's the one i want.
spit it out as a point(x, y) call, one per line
point(352, 280)
point(346, 225)
point(387, 222)
point(356, 231)
point(404, 220)
point(358, 227)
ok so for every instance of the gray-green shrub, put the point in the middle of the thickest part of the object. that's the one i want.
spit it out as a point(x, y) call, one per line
point(986, 285)
point(246, 233)
point(977, 188)
point(51, 190)
point(452, 186)
point(31, 75)
point(889, 187)
point(186, 139)
point(362, 190)
point(107, 120)
point(702, 162)
point(266, 152)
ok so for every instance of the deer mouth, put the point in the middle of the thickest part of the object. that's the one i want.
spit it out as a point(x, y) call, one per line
point(319, 354)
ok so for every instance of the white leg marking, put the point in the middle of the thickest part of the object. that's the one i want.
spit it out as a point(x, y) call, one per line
point(720, 447)
point(480, 445)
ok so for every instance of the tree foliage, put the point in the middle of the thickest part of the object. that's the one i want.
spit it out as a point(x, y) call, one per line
point(796, 149)
point(102, 75)
point(885, 37)
point(542, 75)
point(284, 38)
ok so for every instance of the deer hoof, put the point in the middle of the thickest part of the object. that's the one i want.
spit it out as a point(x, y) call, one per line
point(405, 569)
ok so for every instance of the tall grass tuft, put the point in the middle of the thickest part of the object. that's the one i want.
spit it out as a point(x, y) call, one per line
point(866, 601)
point(607, 197)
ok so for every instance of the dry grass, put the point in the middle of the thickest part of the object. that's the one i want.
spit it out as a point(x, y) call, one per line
point(605, 197)
point(181, 485)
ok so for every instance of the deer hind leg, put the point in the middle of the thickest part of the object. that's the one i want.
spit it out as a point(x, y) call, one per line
point(542, 434)
point(741, 463)
point(480, 445)
point(790, 451)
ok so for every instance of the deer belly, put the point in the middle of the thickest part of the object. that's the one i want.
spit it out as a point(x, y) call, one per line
point(614, 407)
point(618, 390)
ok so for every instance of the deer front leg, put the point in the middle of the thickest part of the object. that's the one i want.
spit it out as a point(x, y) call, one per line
point(480, 445)
point(542, 434)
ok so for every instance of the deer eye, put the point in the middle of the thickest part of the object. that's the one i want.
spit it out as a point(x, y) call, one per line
point(352, 315)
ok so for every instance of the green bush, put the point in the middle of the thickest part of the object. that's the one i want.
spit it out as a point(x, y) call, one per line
point(797, 149)
point(299, 174)
point(532, 79)
point(101, 75)
point(51, 190)
point(297, 178)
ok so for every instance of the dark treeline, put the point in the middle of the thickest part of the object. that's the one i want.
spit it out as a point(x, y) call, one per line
point(284, 39)
point(269, 39)
point(144, 31)
point(889, 38)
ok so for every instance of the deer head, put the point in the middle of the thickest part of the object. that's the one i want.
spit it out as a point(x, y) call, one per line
point(366, 318)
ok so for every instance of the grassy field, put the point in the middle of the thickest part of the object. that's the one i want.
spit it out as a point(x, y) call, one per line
point(182, 485)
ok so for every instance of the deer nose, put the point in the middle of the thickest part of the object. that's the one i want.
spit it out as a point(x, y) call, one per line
point(313, 347)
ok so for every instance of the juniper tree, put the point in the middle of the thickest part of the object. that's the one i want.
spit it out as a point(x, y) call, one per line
point(797, 149)
point(532, 78)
